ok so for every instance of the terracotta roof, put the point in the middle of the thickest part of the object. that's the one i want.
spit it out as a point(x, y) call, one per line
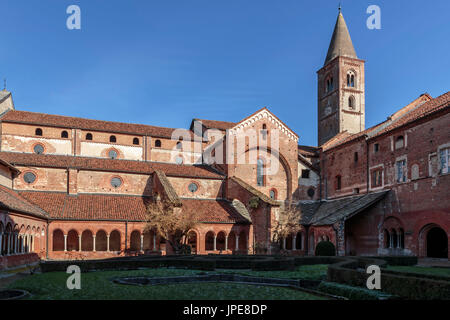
point(419, 108)
point(170, 192)
point(129, 166)
point(210, 211)
point(43, 119)
point(308, 151)
point(11, 200)
point(62, 206)
point(254, 191)
point(9, 166)
point(214, 124)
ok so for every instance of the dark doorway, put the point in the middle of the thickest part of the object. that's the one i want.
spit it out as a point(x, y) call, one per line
point(437, 243)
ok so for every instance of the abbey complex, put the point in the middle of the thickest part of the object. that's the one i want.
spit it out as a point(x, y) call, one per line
point(73, 188)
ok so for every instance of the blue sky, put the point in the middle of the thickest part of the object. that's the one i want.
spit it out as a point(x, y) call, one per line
point(165, 62)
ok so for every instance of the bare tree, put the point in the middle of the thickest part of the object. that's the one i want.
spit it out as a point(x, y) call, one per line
point(170, 222)
point(288, 222)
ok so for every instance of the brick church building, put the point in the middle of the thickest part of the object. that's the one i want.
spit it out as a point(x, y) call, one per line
point(74, 188)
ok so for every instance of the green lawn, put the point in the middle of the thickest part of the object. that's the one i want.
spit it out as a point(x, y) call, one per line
point(98, 285)
point(443, 272)
point(310, 272)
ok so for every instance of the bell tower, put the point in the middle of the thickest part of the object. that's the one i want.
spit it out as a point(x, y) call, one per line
point(341, 102)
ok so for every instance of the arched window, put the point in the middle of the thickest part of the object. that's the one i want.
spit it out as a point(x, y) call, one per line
point(209, 241)
point(260, 173)
point(273, 194)
point(112, 139)
point(112, 154)
point(72, 241)
point(394, 239)
point(64, 134)
point(38, 132)
point(351, 103)
point(299, 241)
point(100, 241)
point(329, 84)
point(87, 241)
point(114, 241)
point(157, 143)
point(89, 136)
point(220, 241)
point(399, 142)
point(135, 241)
point(179, 145)
point(136, 141)
point(58, 240)
point(351, 79)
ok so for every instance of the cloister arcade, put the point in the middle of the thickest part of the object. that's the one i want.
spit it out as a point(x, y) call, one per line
point(16, 240)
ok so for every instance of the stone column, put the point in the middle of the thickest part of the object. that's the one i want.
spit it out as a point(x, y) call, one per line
point(32, 243)
point(284, 243)
point(1, 243)
point(237, 242)
point(215, 242)
point(16, 243)
point(226, 242)
point(93, 237)
point(154, 242)
point(294, 240)
point(391, 240)
point(65, 243)
point(142, 242)
point(399, 236)
point(107, 243)
point(79, 243)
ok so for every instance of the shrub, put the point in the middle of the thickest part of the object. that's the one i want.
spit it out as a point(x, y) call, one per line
point(353, 293)
point(325, 248)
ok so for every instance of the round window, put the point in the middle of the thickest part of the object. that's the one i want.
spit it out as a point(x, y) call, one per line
point(116, 182)
point(179, 160)
point(29, 177)
point(112, 154)
point(193, 187)
point(311, 192)
point(38, 149)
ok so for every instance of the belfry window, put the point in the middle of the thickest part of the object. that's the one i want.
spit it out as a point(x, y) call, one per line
point(350, 80)
point(260, 173)
point(329, 84)
point(351, 103)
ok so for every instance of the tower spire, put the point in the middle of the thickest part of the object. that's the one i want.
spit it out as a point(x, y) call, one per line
point(341, 43)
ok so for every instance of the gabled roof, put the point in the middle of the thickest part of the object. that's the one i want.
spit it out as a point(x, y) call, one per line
point(169, 191)
point(34, 118)
point(4, 95)
point(265, 113)
point(254, 191)
point(341, 44)
point(11, 200)
point(327, 212)
point(214, 124)
point(100, 164)
point(308, 151)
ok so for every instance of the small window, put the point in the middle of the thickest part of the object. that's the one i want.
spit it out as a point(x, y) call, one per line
point(338, 183)
point(305, 174)
point(355, 157)
point(377, 176)
point(64, 134)
point(38, 149)
point(310, 192)
point(399, 142)
point(444, 155)
point(376, 147)
point(273, 194)
point(179, 160)
point(89, 136)
point(351, 103)
point(193, 187)
point(116, 182)
point(260, 173)
point(157, 143)
point(136, 141)
point(401, 171)
point(356, 191)
point(350, 80)
point(112, 139)
point(329, 84)
point(29, 177)
point(112, 154)
point(179, 145)
point(38, 132)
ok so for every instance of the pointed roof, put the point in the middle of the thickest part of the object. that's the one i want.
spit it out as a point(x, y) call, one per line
point(341, 43)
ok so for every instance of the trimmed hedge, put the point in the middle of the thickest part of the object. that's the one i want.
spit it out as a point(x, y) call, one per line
point(353, 293)
point(325, 248)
